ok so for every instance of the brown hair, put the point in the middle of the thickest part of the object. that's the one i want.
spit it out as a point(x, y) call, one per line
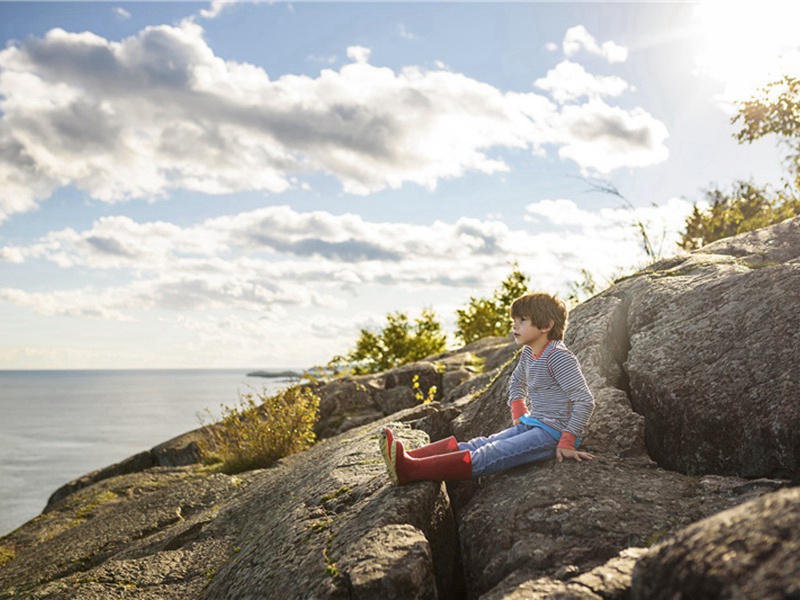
point(542, 308)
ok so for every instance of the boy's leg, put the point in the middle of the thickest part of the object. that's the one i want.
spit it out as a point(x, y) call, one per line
point(479, 442)
point(508, 451)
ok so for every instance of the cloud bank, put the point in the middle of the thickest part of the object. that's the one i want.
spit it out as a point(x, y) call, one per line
point(275, 259)
point(159, 111)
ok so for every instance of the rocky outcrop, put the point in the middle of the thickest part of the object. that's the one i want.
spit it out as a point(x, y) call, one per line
point(349, 402)
point(693, 366)
point(713, 364)
point(750, 551)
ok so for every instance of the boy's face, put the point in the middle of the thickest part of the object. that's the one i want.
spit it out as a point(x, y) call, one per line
point(528, 334)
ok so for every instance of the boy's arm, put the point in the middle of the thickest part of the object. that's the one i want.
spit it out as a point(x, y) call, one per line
point(566, 371)
point(518, 388)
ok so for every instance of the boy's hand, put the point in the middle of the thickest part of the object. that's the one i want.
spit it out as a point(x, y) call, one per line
point(562, 453)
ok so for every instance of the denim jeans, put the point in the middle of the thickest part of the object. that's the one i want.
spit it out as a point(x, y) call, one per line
point(509, 448)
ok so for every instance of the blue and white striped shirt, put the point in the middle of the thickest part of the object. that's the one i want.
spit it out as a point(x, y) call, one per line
point(554, 388)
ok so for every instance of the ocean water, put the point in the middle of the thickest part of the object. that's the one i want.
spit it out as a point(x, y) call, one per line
point(58, 425)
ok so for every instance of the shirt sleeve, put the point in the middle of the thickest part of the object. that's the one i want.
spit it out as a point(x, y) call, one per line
point(518, 385)
point(566, 370)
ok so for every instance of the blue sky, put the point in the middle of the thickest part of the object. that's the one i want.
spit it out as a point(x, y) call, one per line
point(248, 184)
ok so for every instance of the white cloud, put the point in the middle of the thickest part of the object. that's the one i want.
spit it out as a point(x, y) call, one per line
point(603, 138)
point(607, 240)
point(359, 54)
point(216, 7)
point(159, 111)
point(404, 33)
point(121, 12)
point(578, 38)
point(276, 259)
point(570, 81)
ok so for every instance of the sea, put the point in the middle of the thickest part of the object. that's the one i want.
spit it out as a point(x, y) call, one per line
point(58, 425)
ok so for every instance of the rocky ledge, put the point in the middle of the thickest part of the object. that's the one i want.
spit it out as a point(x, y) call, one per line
point(694, 366)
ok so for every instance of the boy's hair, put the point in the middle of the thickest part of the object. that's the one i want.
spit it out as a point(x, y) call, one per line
point(542, 308)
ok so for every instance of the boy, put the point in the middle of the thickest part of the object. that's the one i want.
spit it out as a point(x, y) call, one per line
point(549, 400)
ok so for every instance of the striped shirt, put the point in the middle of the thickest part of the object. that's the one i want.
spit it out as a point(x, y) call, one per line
point(554, 388)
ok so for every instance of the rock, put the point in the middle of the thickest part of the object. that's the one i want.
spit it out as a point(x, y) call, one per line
point(329, 524)
point(342, 402)
point(425, 374)
point(152, 530)
point(527, 524)
point(179, 451)
point(751, 551)
point(530, 522)
point(471, 387)
point(610, 581)
point(713, 362)
point(395, 399)
point(394, 561)
point(452, 379)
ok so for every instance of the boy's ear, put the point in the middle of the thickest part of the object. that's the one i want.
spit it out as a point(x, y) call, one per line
point(549, 327)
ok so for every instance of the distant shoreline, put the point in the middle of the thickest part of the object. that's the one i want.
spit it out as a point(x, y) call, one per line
point(274, 374)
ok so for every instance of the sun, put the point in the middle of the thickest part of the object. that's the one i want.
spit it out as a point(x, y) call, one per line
point(748, 44)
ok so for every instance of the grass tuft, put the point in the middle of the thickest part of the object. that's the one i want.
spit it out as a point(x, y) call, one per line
point(261, 430)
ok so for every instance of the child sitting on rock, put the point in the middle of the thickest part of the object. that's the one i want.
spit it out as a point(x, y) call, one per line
point(549, 400)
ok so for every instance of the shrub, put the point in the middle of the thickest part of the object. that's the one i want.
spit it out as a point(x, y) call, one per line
point(399, 342)
point(485, 317)
point(745, 208)
point(261, 430)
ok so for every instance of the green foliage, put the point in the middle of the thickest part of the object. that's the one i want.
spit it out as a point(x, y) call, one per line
point(399, 342)
point(417, 389)
point(745, 208)
point(485, 317)
point(261, 429)
point(774, 110)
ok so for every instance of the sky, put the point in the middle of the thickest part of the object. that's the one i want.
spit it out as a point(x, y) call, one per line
point(248, 185)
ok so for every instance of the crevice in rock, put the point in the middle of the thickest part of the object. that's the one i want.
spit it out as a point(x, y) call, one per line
point(458, 494)
point(620, 345)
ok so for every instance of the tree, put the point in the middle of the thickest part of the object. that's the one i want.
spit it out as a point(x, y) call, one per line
point(775, 110)
point(485, 317)
point(398, 343)
point(745, 208)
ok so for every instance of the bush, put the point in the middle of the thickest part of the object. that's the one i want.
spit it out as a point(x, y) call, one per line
point(261, 430)
point(489, 317)
point(745, 208)
point(398, 343)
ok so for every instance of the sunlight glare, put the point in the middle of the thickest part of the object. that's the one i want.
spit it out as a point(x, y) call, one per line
point(748, 44)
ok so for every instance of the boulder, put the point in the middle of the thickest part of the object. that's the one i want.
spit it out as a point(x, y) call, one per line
point(452, 379)
point(751, 551)
point(342, 403)
point(395, 399)
point(713, 360)
point(418, 376)
point(328, 523)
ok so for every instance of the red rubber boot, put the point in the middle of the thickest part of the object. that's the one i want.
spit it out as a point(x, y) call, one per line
point(440, 447)
point(440, 467)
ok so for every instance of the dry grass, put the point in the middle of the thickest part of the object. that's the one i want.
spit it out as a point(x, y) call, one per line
point(261, 430)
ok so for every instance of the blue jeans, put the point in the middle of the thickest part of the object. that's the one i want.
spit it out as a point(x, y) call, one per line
point(509, 448)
